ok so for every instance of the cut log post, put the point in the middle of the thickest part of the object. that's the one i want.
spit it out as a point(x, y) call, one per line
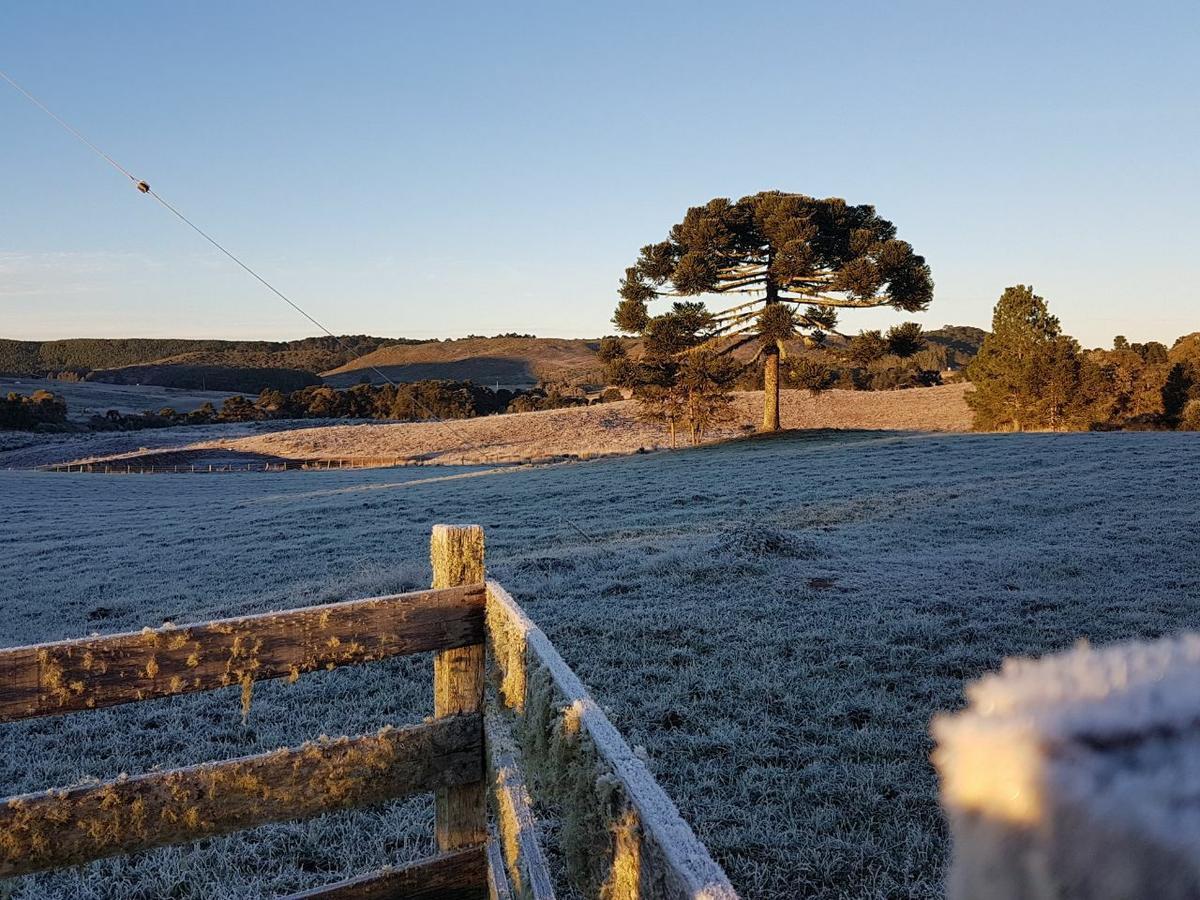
point(1075, 776)
point(456, 552)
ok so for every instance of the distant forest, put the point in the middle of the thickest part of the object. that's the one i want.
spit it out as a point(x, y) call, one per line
point(80, 356)
point(410, 402)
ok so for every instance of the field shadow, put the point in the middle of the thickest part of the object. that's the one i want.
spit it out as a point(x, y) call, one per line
point(483, 370)
point(808, 436)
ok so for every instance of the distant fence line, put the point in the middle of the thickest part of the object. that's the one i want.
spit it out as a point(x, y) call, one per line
point(116, 468)
point(289, 465)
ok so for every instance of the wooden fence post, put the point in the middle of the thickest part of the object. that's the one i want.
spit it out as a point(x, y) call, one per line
point(456, 552)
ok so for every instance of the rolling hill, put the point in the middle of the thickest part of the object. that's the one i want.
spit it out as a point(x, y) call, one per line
point(245, 366)
point(507, 361)
point(311, 354)
point(249, 366)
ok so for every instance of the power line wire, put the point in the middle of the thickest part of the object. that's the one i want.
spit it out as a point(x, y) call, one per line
point(145, 188)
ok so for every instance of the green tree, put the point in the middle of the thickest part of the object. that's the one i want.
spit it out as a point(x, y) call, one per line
point(272, 401)
point(1152, 352)
point(1189, 419)
point(1175, 393)
point(811, 374)
point(905, 340)
point(238, 409)
point(1027, 371)
point(866, 347)
point(705, 379)
point(801, 258)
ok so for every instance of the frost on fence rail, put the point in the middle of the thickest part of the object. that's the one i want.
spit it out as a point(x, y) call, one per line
point(47, 679)
point(1077, 775)
point(76, 825)
point(621, 834)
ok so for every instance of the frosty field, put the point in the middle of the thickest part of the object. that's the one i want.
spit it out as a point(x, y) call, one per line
point(774, 620)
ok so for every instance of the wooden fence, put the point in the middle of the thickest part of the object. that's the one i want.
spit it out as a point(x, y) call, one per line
point(111, 467)
point(533, 733)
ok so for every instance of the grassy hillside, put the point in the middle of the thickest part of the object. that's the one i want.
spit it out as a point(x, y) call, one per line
point(41, 357)
point(89, 398)
point(244, 379)
point(962, 342)
point(503, 360)
point(608, 428)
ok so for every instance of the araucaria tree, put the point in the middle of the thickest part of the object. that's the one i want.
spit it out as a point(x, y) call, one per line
point(799, 259)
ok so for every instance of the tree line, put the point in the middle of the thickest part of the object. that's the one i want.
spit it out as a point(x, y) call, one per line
point(802, 261)
point(1029, 375)
point(79, 356)
point(411, 401)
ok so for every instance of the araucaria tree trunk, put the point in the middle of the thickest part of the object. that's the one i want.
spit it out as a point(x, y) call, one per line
point(770, 420)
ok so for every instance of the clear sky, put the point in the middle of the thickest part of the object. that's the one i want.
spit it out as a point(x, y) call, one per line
point(438, 169)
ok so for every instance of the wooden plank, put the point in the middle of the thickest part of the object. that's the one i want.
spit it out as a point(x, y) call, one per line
point(457, 553)
point(76, 825)
point(459, 875)
point(528, 873)
point(497, 878)
point(88, 673)
point(628, 838)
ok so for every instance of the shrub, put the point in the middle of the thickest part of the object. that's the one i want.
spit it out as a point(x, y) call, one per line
point(1189, 419)
point(18, 411)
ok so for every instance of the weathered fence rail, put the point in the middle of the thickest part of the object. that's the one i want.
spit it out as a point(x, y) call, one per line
point(541, 739)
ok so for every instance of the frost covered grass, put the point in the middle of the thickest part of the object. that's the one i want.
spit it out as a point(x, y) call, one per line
point(781, 679)
point(610, 429)
point(28, 449)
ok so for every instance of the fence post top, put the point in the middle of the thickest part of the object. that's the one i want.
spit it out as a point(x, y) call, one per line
point(449, 528)
point(456, 553)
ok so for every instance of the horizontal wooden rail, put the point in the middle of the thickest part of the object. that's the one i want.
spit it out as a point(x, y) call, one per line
point(76, 825)
point(457, 875)
point(47, 679)
point(521, 858)
point(497, 879)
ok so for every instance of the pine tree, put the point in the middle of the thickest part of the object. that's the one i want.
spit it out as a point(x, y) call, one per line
point(801, 258)
point(675, 388)
point(1027, 373)
point(1175, 393)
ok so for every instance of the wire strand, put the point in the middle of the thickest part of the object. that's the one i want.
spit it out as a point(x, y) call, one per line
point(146, 189)
point(48, 111)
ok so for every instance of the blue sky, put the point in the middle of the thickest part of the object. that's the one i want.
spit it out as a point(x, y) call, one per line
point(433, 170)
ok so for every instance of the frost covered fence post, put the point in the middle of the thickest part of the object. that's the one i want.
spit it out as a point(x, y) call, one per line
point(456, 552)
point(1076, 775)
